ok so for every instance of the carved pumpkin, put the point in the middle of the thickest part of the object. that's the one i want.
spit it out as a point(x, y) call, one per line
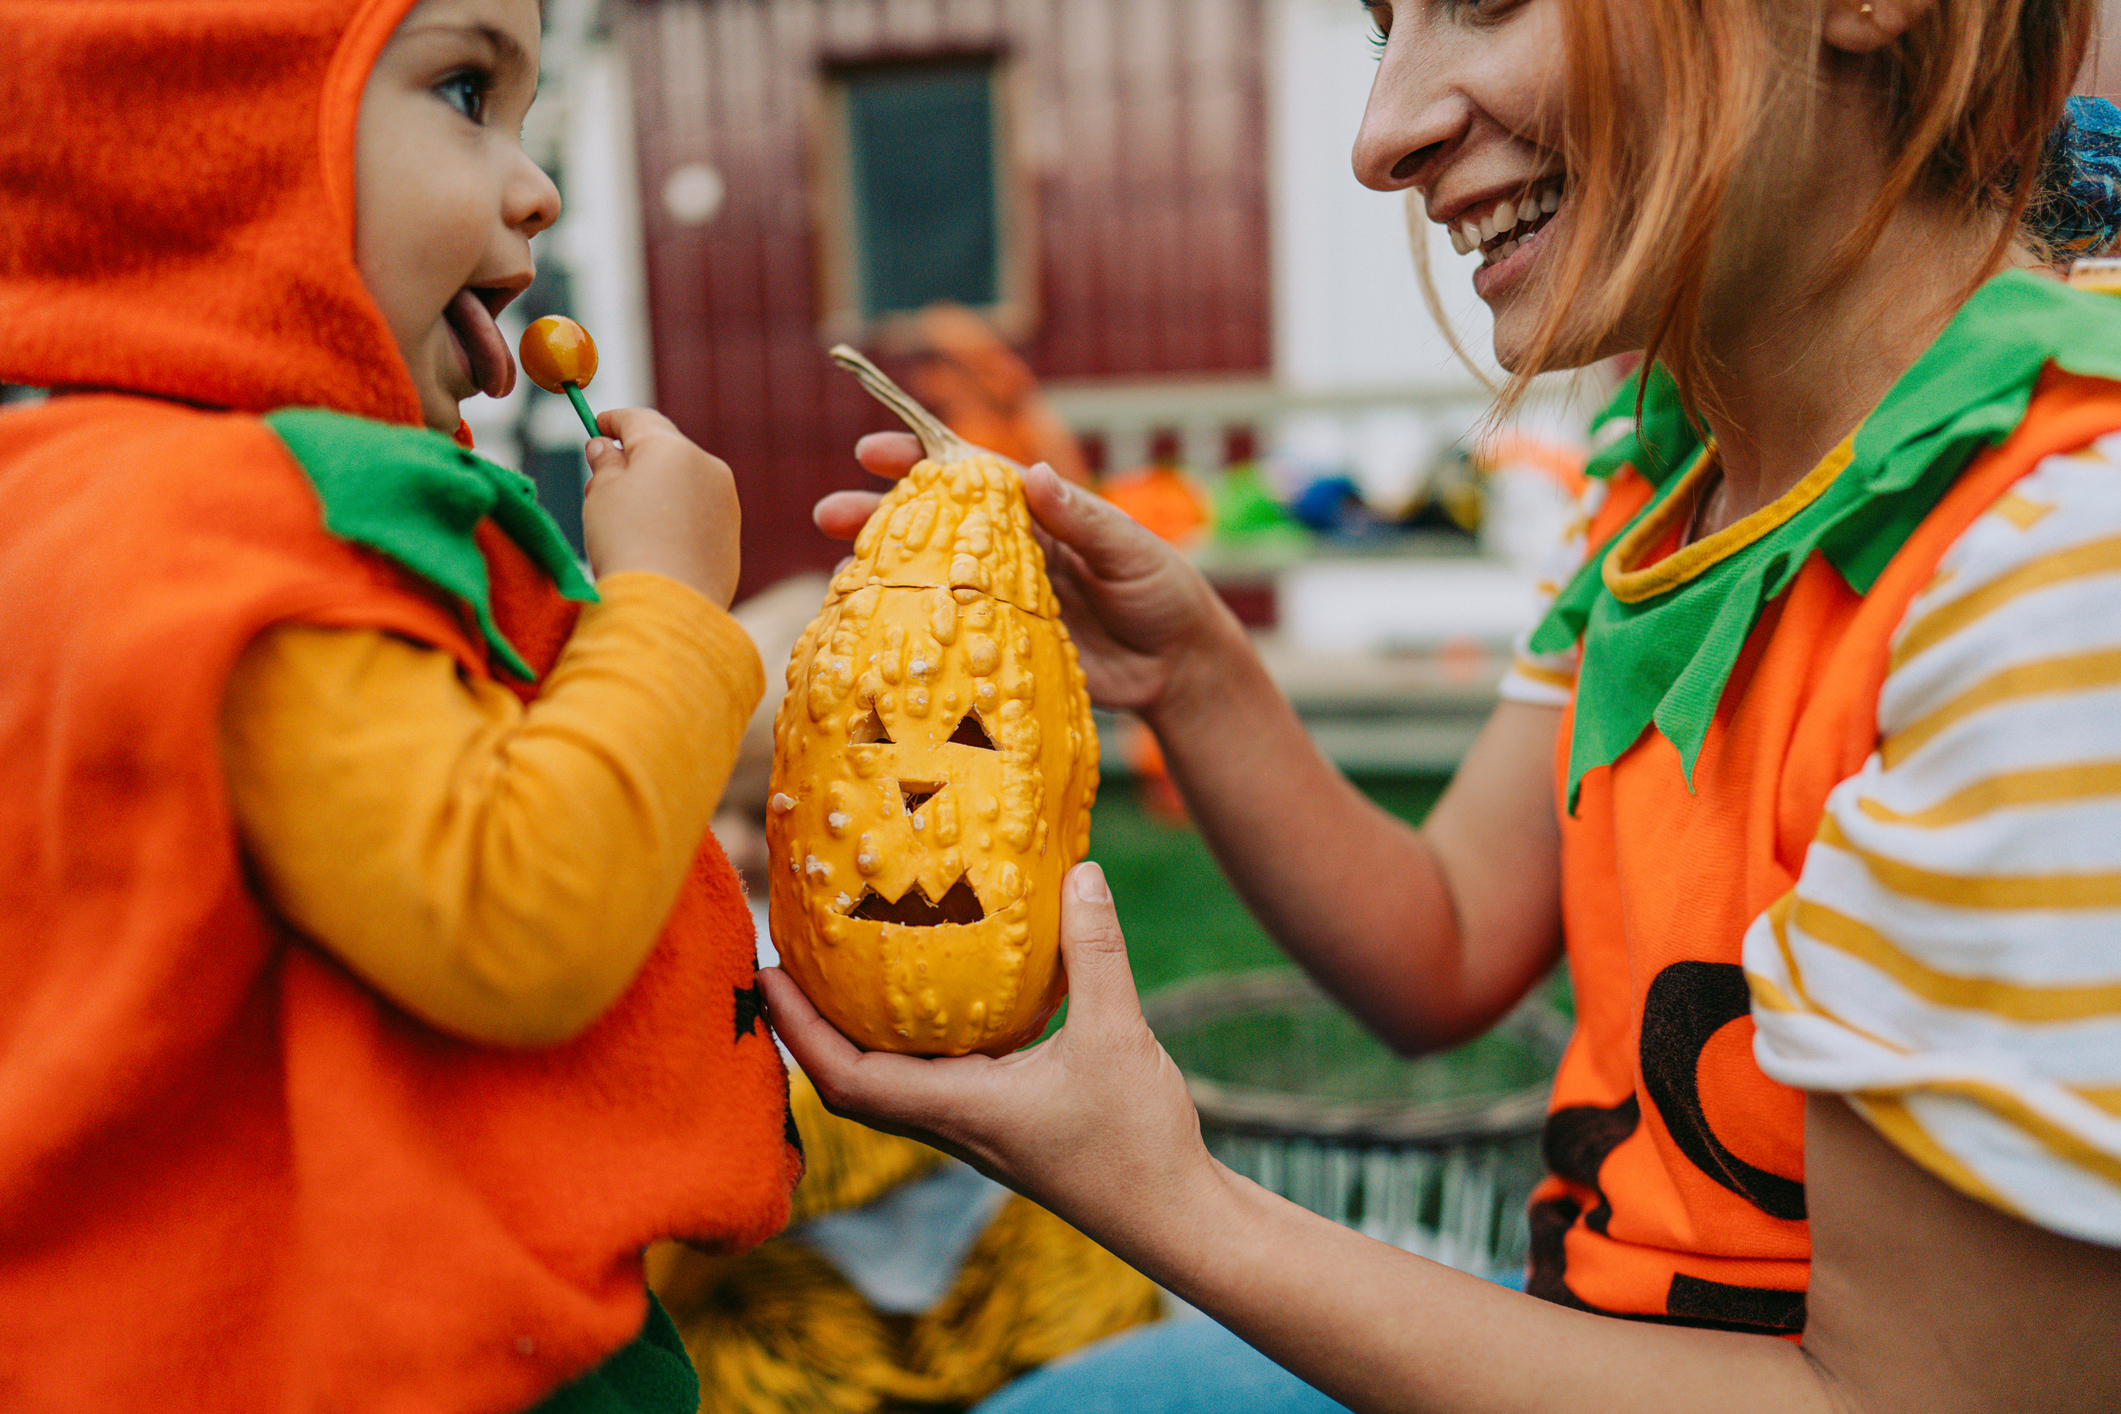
point(934, 765)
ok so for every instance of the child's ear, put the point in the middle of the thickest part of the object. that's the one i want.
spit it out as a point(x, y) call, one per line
point(1865, 26)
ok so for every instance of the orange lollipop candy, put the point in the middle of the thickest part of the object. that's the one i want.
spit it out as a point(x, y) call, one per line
point(560, 357)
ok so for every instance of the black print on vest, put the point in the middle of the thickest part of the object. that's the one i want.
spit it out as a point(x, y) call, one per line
point(1689, 1301)
point(1688, 1003)
point(1693, 1300)
point(750, 1007)
point(1577, 1140)
point(1575, 1145)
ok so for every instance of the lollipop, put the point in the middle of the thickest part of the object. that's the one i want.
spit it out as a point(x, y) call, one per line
point(560, 357)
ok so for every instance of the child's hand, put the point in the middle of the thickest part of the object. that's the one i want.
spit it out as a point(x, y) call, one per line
point(1141, 617)
point(660, 504)
point(1094, 1122)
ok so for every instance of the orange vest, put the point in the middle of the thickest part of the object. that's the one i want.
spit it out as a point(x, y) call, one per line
point(231, 1175)
point(1676, 1168)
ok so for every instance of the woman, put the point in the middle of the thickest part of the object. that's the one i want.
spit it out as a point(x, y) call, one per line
point(1843, 743)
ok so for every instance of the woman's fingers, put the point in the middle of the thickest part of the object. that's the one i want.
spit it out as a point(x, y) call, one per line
point(1112, 545)
point(842, 514)
point(898, 1094)
point(815, 1043)
point(889, 454)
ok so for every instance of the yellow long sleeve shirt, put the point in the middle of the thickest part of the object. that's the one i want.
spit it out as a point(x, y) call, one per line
point(499, 870)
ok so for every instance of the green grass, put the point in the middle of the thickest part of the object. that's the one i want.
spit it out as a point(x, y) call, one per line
point(1180, 916)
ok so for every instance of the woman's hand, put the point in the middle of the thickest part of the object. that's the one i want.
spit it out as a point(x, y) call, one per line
point(1094, 1122)
point(1145, 624)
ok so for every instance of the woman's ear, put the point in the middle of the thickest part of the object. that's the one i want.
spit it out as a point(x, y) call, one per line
point(1865, 26)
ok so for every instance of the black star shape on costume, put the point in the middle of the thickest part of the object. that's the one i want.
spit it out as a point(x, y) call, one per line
point(750, 1009)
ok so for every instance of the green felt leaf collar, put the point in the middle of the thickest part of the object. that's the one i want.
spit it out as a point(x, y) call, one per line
point(416, 496)
point(1664, 659)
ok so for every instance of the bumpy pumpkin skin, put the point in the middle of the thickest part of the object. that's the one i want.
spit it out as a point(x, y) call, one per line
point(944, 613)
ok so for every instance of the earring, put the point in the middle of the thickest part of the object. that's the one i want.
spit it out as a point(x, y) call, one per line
point(1864, 12)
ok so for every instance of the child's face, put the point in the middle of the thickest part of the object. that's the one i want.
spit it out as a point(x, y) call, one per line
point(446, 201)
point(1465, 107)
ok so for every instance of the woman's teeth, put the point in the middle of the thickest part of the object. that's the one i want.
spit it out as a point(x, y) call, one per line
point(1497, 231)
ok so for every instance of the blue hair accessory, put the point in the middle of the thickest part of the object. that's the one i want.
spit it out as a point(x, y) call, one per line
point(2078, 211)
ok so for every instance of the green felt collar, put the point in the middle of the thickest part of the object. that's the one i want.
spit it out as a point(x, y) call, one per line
point(416, 496)
point(1665, 657)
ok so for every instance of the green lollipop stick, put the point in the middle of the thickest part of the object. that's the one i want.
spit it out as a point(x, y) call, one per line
point(581, 407)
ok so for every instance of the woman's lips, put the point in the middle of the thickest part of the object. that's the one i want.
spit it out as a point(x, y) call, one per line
point(486, 354)
point(1493, 278)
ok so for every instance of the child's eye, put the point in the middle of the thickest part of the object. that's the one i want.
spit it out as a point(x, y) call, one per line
point(1380, 26)
point(466, 91)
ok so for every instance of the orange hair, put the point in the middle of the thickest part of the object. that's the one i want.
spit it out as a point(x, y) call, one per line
point(1973, 89)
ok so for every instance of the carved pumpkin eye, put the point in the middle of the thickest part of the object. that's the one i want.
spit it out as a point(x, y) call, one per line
point(970, 733)
point(914, 910)
point(869, 729)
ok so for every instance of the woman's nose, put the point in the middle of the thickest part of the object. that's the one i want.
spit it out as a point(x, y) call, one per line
point(1414, 116)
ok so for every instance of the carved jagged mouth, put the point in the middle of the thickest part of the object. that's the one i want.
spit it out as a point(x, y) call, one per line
point(913, 909)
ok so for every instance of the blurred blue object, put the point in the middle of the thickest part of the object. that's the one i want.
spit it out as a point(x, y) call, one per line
point(1174, 1367)
point(1328, 503)
point(2078, 211)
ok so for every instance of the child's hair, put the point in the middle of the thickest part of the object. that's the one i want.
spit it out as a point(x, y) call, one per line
point(1974, 87)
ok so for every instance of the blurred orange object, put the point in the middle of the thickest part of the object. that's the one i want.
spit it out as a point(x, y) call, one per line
point(557, 351)
point(1159, 793)
point(1162, 498)
point(990, 397)
point(1563, 465)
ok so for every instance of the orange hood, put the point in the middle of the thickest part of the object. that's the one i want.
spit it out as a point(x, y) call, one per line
point(176, 202)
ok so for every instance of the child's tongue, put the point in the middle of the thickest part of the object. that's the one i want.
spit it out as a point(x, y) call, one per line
point(493, 367)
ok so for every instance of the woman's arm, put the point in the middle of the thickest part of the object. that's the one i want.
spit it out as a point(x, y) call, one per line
point(1428, 935)
point(1921, 1301)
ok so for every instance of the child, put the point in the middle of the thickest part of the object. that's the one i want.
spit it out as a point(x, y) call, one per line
point(1841, 741)
point(372, 993)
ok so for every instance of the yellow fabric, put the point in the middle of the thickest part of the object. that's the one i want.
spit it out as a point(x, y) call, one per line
point(780, 1331)
point(500, 870)
point(1632, 586)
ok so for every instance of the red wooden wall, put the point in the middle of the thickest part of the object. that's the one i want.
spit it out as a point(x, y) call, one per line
point(1144, 132)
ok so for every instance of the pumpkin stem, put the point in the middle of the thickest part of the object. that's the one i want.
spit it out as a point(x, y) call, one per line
point(938, 441)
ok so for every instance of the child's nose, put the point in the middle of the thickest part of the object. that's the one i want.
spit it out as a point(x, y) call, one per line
point(533, 200)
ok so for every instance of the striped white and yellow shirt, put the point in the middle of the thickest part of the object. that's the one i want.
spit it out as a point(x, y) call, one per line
point(1950, 959)
point(1547, 679)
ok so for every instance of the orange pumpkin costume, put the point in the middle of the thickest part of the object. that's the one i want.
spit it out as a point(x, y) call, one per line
point(231, 1175)
point(1676, 1187)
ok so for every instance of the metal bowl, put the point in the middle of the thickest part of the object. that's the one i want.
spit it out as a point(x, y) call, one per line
point(1436, 1155)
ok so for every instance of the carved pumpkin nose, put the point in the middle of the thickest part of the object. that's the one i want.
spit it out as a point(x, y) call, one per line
point(934, 765)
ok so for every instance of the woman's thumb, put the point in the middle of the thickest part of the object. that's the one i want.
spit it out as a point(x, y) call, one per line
point(1112, 543)
point(1100, 980)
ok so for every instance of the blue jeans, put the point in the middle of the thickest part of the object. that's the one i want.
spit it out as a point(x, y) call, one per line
point(1189, 1366)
